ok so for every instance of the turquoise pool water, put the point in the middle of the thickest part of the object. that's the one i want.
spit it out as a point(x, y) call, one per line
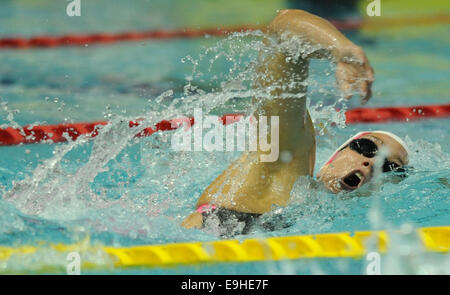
point(122, 191)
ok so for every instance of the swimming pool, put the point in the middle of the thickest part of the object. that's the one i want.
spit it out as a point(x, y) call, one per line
point(121, 191)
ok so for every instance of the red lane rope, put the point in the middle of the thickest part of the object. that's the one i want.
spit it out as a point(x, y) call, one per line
point(46, 41)
point(108, 38)
point(61, 132)
point(386, 114)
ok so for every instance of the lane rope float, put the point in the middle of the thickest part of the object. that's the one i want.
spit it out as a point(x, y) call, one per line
point(78, 39)
point(63, 132)
point(329, 245)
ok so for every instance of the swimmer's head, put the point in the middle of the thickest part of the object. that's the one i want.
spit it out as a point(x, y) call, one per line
point(354, 163)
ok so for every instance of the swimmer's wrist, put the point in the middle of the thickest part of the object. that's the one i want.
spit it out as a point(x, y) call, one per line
point(347, 52)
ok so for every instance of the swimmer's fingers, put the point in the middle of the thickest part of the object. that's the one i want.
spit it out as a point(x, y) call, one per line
point(353, 78)
point(354, 73)
point(365, 90)
point(346, 79)
point(365, 87)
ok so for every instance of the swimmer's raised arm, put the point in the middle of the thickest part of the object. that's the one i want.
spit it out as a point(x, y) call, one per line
point(311, 27)
point(253, 186)
point(353, 69)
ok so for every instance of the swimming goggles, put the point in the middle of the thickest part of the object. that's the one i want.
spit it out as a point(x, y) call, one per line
point(369, 149)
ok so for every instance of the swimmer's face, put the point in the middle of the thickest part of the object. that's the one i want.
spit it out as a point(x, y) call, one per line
point(355, 164)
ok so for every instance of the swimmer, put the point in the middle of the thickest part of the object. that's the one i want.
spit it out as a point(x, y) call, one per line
point(250, 188)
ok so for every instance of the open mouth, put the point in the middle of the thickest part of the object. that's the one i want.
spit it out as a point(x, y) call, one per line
point(353, 180)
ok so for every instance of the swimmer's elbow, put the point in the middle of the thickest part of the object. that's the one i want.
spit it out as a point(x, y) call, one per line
point(284, 18)
point(282, 13)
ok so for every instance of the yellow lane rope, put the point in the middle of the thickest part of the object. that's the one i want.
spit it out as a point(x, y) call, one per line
point(333, 245)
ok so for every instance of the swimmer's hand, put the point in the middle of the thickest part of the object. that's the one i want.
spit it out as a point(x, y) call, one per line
point(195, 220)
point(354, 73)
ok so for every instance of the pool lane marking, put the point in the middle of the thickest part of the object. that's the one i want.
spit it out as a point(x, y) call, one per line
point(330, 245)
point(63, 132)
